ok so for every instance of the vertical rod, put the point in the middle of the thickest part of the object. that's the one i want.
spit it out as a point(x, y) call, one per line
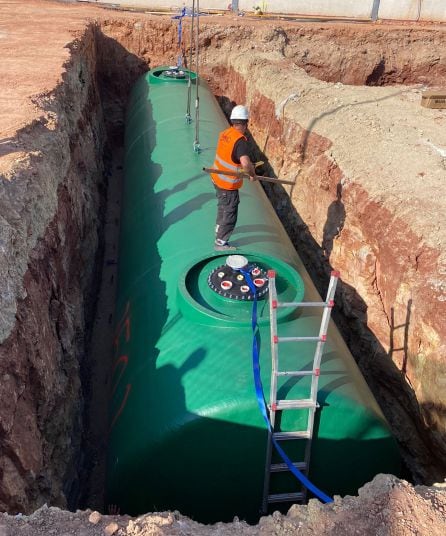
point(322, 333)
point(189, 85)
point(375, 10)
point(273, 389)
point(419, 9)
point(316, 366)
point(197, 102)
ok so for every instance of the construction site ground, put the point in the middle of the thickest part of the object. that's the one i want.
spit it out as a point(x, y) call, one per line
point(392, 157)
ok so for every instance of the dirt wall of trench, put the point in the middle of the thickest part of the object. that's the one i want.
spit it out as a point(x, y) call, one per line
point(50, 206)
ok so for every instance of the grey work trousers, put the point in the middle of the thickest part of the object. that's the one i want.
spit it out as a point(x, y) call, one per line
point(227, 210)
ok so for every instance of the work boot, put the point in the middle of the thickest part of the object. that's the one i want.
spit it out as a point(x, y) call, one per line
point(221, 245)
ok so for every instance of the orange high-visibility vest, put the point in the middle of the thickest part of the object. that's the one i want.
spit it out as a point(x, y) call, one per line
point(223, 160)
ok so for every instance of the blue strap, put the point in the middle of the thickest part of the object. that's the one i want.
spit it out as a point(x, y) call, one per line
point(180, 32)
point(262, 404)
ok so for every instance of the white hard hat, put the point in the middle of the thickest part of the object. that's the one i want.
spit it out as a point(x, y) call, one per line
point(240, 112)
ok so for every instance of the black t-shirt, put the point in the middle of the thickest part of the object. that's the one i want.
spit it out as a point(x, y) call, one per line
point(241, 148)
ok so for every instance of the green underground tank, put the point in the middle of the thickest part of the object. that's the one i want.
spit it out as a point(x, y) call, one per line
point(186, 432)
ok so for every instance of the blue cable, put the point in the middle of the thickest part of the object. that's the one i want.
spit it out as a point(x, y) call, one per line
point(180, 32)
point(261, 399)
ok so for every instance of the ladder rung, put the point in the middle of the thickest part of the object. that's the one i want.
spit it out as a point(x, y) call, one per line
point(285, 497)
point(283, 436)
point(295, 373)
point(280, 467)
point(294, 404)
point(303, 304)
point(299, 339)
point(308, 404)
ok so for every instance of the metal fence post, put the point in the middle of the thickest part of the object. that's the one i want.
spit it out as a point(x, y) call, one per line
point(375, 10)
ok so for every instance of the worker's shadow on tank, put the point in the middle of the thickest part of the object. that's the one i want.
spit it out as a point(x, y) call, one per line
point(169, 392)
point(187, 208)
point(180, 186)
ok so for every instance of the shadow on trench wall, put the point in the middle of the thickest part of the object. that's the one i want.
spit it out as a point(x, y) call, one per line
point(116, 71)
point(390, 386)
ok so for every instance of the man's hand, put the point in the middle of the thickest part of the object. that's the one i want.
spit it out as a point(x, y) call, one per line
point(248, 167)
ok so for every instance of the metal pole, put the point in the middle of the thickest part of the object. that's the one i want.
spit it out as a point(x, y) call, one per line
point(189, 85)
point(197, 102)
point(419, 9)
point(245, 176)
point(375, 10)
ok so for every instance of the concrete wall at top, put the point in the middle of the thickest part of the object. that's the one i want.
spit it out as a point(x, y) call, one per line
point(433, 10)
point(426, 10)
point(327, 8)
point(330, 8)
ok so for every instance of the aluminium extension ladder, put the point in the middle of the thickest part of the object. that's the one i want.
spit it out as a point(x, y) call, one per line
point(309, 404)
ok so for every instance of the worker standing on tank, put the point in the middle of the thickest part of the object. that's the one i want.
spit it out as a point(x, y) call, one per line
point(232, 155)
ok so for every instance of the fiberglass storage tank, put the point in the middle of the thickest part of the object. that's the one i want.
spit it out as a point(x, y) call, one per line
point(186, 432)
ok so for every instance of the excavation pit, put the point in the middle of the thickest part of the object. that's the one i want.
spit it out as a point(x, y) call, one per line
point(54, 145)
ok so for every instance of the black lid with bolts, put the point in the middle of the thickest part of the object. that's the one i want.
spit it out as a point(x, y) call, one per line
point(229, 280)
